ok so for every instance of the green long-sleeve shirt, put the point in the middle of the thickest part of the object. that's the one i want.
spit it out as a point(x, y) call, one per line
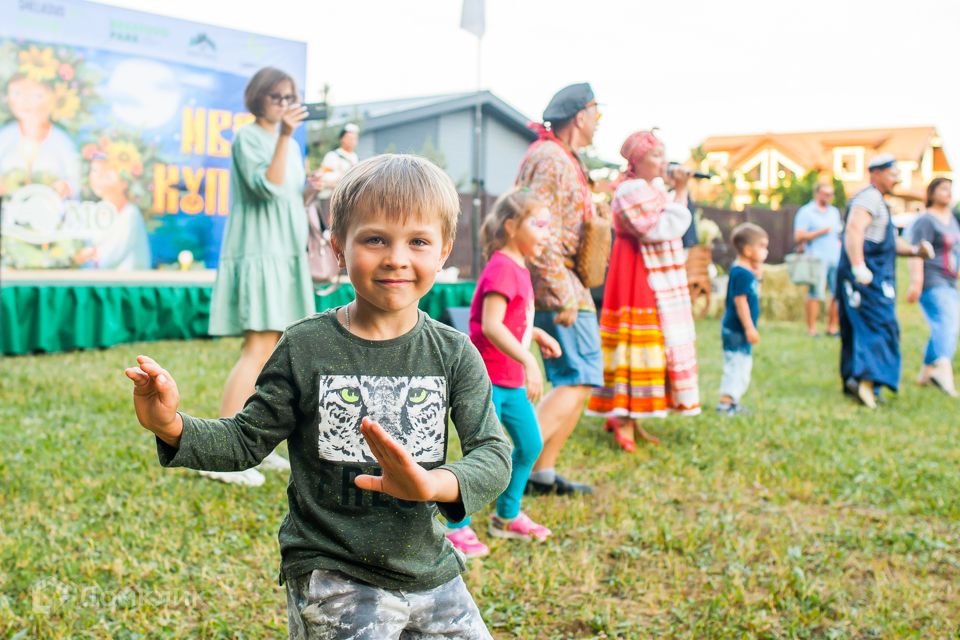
point(317, 386)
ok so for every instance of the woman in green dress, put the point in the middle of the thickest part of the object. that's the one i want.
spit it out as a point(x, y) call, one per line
point(263, 279)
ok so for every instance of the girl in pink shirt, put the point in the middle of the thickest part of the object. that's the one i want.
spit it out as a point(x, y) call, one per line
point(501, 327)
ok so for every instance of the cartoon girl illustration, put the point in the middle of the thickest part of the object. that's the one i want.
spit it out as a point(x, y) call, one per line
point(115, 177)
point(42, 94)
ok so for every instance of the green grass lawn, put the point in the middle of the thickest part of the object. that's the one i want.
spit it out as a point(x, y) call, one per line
point(810, 519)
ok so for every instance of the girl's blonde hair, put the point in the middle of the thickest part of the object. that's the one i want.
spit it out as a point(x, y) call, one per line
point(514, 205)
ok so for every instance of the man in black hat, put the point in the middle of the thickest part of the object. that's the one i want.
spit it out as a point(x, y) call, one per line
point(564, 307)
point(866, 288)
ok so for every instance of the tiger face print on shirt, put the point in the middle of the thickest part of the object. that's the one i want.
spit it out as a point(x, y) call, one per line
point(413, 410)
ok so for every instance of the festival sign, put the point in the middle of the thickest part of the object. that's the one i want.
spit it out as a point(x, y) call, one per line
point(115, 132)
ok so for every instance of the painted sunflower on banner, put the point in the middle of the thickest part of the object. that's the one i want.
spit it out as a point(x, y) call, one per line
point(121, 161)
point(54, 79)
point(46, 96)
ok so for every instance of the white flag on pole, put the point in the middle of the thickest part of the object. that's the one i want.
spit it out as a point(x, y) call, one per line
point(473, 18)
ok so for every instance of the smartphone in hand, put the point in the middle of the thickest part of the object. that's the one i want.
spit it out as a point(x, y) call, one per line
point(316, 110)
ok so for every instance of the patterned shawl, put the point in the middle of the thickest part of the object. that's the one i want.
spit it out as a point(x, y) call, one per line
point(641, 209)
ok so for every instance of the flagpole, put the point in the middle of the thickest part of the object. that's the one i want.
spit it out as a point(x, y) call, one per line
point(477, 208)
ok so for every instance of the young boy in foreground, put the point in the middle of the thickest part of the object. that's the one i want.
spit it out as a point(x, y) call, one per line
point(362, 394)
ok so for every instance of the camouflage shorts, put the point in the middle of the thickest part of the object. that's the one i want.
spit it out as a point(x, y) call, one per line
point(328, 605)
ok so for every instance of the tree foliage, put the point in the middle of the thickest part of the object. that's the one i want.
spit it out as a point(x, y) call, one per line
point(799, 191)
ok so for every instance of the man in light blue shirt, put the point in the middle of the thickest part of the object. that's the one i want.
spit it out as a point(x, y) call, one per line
point(816, 228)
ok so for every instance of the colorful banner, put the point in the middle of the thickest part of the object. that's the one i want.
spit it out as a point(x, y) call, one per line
point(115, 132)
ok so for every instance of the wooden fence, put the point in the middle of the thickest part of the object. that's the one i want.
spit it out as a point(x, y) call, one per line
point(777, 223)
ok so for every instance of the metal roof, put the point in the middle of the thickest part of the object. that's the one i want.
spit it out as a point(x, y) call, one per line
point(389, 113)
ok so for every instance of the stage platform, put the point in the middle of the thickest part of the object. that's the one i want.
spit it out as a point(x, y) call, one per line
point(53, 311)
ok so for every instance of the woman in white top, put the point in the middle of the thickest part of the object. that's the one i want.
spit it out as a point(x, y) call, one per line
point(337, 162)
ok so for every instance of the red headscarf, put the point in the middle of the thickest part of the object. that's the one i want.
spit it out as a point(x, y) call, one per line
point(635, 147)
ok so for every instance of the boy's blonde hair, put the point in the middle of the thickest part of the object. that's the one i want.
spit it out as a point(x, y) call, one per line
point(513, 205)
point(397, 186)
point(746, 234)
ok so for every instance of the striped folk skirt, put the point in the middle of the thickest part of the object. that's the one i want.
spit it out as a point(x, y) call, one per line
point(638, 381)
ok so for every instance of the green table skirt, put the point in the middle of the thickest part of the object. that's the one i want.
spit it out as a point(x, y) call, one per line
point(52, 318)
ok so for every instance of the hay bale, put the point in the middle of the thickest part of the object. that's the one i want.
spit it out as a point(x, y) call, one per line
point(780, 299)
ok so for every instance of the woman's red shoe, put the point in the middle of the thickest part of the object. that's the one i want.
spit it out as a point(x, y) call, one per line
point(614, 426)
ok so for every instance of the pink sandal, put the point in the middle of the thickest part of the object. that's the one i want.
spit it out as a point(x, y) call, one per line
point(519, 528)
point(466, 542)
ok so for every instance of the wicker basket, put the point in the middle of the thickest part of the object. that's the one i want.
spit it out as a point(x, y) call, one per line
point(594, 252)
point(699, 258)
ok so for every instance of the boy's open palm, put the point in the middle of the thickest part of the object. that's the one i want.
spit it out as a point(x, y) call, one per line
point(402, 477)
point(155, 398)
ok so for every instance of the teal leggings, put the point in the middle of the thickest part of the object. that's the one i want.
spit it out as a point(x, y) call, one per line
point(517, 416)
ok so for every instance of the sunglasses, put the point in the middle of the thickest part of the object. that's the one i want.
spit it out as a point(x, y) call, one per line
point(277, 98)
point(596, 109)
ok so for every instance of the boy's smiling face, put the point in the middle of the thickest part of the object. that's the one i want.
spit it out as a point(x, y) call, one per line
point(393, 263)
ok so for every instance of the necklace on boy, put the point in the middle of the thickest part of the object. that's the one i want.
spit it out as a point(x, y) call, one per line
point(346, 315)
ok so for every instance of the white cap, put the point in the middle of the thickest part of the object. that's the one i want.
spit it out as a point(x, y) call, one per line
point(883, 161)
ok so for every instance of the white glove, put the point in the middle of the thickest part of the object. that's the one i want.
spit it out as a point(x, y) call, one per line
point(925, 250)
point(861, 274)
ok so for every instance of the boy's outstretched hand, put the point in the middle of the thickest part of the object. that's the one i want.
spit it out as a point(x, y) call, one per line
point(402, 477)
point(156, 398)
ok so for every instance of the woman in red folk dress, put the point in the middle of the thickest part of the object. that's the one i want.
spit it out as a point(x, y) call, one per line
point(646, 325)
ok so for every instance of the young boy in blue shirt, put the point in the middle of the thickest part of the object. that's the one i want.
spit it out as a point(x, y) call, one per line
point(739, 326)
